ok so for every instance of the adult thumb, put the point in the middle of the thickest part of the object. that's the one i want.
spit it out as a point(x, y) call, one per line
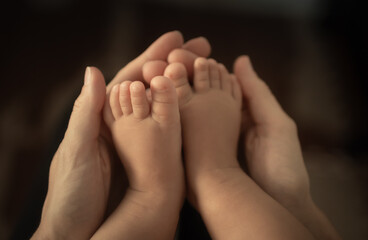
point(262, 104)
point(85, 120)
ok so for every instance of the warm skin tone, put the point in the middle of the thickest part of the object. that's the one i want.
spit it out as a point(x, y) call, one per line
point(147, 136)
point(72, 199)
point(274, 156)
point(80, 170)
point(230, 203)
point(84, 158)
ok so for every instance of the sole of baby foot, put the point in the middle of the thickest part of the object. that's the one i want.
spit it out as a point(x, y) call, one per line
point(210, 116)
point(148, 135)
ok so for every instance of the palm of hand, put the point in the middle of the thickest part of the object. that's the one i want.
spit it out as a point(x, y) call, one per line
point(78, 200)
point(275, 162)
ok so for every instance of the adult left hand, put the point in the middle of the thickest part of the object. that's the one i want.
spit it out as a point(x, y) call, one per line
point(80, 171)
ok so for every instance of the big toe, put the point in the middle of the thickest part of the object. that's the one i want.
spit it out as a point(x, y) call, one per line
point(177, 73)
point(165, 107)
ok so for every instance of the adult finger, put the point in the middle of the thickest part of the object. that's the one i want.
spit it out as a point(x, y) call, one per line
point(152, 69)
point(194, 48)
point(199, 46)
point(189, 52)
point(158, 50)
point(183, 56)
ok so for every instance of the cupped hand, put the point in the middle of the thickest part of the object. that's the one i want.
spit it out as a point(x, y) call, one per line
point(273, 152)
point(80, 172)
point(79, 178)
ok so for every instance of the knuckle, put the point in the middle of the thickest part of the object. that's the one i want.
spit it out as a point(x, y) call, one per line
point(263, 84)
point(289, 125)
point(292, 124)
point(174, 54)
point(284, 124)
point(78, 104)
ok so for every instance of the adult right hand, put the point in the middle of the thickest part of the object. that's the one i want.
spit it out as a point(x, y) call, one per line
point(273, 152)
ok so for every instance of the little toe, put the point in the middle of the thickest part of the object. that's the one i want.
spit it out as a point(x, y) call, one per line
point(124, 98)
point(139, 100)
point(225, 79)
point(114, 102)
point(201, 75)
point(165, 108)
point(236, 90)
point(214, 74)
point(177, 73)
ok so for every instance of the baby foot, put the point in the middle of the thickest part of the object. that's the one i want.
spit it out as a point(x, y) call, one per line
point(147, 135)
point(210, 113)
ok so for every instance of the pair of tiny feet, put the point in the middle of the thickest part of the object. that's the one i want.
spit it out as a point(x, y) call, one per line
point(151, 126)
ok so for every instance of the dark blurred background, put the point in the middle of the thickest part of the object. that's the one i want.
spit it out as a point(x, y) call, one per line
point(312, 53)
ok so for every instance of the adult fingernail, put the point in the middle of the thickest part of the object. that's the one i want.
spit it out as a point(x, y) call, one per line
point(248, 61)
point(87, 76)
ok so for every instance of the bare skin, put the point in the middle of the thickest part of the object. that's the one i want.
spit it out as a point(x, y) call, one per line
point(231, 204)
point(147, 136)
point(274, 156)
point(86, 148)
point(71, 199)
point(194, 105)
point(79, 181)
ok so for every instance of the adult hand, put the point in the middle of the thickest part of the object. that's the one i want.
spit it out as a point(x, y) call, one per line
point(80, 171)
point(168, 48)
point(273, 152)
point(79, 178)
